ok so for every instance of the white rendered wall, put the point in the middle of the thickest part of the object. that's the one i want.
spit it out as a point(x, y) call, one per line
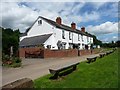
point(85, 39)
point(91, 40)
point(58, 36)
point(37, 29)
point(51, 41)
point(46, 28)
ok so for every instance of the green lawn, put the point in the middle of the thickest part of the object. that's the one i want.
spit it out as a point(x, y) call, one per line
point(100, 74)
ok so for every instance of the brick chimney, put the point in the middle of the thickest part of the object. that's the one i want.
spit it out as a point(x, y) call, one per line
point(83, 29)
point(73, 25)
point(58, 20)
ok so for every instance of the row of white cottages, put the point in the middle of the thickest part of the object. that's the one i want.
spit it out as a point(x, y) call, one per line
point(55, 35)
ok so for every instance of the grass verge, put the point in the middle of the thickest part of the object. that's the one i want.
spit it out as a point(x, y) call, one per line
point(100, 74)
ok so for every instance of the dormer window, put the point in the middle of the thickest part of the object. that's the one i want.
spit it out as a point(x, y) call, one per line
point(39, 22)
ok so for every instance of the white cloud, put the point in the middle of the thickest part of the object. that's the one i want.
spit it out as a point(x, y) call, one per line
point(15, 16)
point(60, 0)
point(22, 15)
point(115, 37)
point(90, 17)
point(104, 28)
point(98, 5)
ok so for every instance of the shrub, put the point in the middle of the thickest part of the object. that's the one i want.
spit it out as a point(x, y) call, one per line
point(5, 57)
point(16, 60)
point(11, 62)
point(16, 65)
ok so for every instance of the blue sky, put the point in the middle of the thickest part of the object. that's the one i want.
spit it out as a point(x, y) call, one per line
point(99, 18)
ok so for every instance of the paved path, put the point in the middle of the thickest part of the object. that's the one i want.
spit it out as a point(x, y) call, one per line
point(34, 68)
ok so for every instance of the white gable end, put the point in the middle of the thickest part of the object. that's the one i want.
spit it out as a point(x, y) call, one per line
point(40, 29)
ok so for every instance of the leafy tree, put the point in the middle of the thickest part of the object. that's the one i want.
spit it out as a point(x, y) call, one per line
point(117, 43)
point(10, 38)
point(95, 40)
point(111, 44)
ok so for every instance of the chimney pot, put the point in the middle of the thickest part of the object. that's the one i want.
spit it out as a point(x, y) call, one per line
point(58, 20)
point(83, 29)
point(73, 25)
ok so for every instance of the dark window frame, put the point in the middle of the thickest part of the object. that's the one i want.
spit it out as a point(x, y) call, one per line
point(82, 37)
point(87, 39)
point(39, 22)
point(78, 37)
point(63, 34)
point(70, 36)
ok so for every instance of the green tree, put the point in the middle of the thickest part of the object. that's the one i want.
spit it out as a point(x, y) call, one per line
point(95, 40)
point(117, 43)
point(10, 38)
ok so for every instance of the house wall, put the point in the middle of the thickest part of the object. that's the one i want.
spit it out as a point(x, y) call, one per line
point(51, 41)
point(85, 39)
point(37, 29)
point(75, 38)
point(58, 36)
point(91, 40)
point(46, 28)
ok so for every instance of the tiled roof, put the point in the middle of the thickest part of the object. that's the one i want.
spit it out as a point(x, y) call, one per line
point(33, 41)
point(62, 26)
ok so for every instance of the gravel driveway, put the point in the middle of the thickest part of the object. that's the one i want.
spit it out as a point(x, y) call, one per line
point(34, 68)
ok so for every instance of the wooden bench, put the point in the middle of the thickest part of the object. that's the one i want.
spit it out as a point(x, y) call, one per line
point(108, 52)
point(56, 71)
point(102, 55)
point(91, 59)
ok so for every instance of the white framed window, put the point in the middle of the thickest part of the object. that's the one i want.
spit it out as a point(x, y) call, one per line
point(82, 37)
point(48, 46)
point(78, 37)
point(39, 22)
point(70, 36)
point(87, 39)
point(90, 40)
point(63, 34)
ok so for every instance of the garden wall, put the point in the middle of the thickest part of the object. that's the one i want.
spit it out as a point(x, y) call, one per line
point(88, 52)
point(46, 53)
point(25, 52)
point(60, 53)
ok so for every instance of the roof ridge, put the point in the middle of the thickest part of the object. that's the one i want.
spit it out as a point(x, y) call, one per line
point(62, 26)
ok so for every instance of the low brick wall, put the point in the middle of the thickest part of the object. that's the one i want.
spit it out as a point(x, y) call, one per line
point(88, 52)
point(24, 51)
point(85, 52)
point(46, 53)
point(20, 84)
point(95, 51)
point(60, 53)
